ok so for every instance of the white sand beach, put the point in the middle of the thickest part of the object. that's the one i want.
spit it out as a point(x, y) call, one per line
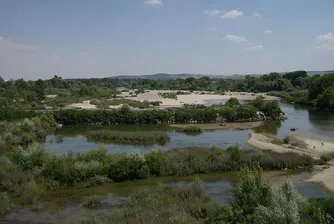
point(196, 97)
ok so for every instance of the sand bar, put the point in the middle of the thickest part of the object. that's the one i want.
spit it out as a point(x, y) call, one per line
point(216, 126)
point(196, 97)
point(302, 145)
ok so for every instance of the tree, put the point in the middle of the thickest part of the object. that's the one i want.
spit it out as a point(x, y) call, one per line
point(326, 99)
point(2, 81)
point(232, 102)
point(295, 77)
point(40, 88)
point(271, 109)
point(283, 209)
point(249, 193)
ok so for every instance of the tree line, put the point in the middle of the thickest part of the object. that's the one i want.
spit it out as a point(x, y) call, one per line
point(295, 87)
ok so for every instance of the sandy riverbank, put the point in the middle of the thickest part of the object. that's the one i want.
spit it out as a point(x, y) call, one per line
point(324, 177)
point(196, 97)
point(302, 145)
point(215, 126)
point(265, 142)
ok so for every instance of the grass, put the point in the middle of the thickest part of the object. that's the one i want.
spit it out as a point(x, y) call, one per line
point(253, 201)
point(163, 204)
point(192, 129)
point(142, 138)
point(31, 193)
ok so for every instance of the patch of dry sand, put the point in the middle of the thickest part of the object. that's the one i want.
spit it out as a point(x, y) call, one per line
point(261, 141)
point(325, 177)
point(195, 97)
point(305, 145)
point(213, 126)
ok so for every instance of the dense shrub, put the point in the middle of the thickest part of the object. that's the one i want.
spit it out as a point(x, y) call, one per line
point(201, 115)
point(156, 161)
point(284, 207)
point(5, 204)
point(26, 132)
point(192, 129)
point(31, 193)
point(250, 193)
point(129, 167)
point(144, 138)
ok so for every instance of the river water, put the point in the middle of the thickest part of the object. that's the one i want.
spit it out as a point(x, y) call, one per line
point(66, 205)
point(309, 121)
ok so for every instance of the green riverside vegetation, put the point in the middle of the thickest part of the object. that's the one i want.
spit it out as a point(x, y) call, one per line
point(126, 137)
point(28, 169)
point(253, 201)
point(192, 129)
point(297, 87)
point(124, 115)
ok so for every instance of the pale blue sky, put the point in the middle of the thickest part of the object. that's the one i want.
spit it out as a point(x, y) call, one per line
point(81, 38)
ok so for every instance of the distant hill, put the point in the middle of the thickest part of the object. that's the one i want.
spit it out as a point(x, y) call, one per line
point(319, 72)
point(166, 76)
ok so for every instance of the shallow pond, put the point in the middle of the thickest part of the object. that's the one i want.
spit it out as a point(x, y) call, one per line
point(65, 205)
point(309, 121)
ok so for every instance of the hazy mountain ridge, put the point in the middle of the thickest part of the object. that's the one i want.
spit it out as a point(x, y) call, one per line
point(167, 76)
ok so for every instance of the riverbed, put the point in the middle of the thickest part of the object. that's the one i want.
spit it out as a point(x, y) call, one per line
point(68, 204)
point(309, 121)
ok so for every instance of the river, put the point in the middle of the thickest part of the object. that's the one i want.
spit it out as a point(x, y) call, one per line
point(309, 121)
point(67, 204)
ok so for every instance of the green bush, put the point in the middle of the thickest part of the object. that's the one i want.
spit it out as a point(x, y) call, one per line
point(31, 158)
point(156, 161)
point(128, 137)
point(129, 167)
point(232, 102)
point(284, 207)
point(192, 129)
point(286, 139)
point(318, 210)
point(5, 204)
point(31, 193)
point(249, 193)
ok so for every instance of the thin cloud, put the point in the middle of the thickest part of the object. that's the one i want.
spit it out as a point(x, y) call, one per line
point(153, 2)
point(268, 32)
point(257, 15)
point(255, 48)
point(232, 14)
point(5, 42)
point(325, 41)
point(231, 37)
point(214, 12)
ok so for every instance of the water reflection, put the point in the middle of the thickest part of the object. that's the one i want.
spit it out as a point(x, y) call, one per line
point(309, 121)
point(67, 204)
point(270, 127)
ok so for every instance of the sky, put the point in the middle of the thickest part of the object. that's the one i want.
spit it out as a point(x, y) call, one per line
point(104, 38)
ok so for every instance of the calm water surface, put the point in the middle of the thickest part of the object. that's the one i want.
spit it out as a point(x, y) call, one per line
point(68, 204)
point(309, 121)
